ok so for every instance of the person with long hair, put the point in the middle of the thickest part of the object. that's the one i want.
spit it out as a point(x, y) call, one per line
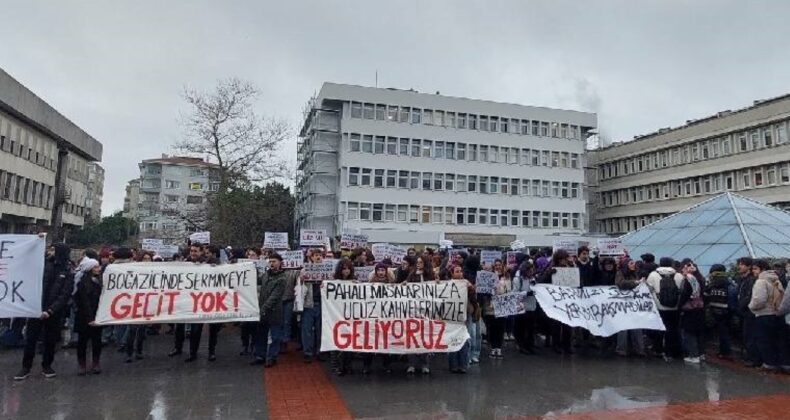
point(561, 333)
point(495, 327)
point(692, 312)
point(342, 361)
point(86, 302)
point(459, 360)
point(524, 324)
point(471, 266)
point(423, 271)
point(627, 278)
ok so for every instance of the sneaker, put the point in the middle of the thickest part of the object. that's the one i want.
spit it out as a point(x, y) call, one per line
point(22, 375)
point(96, 370)
point(307, 358)
point(139, 356)
point(410, 370)
point(499, 354)
point(492, 355)
point(426, 371)
point(82, 371)
point(190, 359)
point(693, 360)
point(212, 357)
point(48, 372)
point(258, 361)
point(128, 360)
point(270, 363)
point(174, 353)
point(475, 360)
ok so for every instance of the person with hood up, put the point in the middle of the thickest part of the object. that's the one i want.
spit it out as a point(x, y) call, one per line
point(717, 300)
point(58, 284)
point(692, 312)
point(664, 284)
point(86, 302)
point(767, 296)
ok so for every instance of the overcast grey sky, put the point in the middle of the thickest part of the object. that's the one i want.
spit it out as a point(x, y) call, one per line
point(116, 68)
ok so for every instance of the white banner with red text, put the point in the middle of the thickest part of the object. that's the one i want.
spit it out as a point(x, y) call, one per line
point(393, 318)
point(175, 292)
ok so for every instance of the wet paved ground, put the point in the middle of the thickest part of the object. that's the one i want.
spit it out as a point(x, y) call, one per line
point(547, 385)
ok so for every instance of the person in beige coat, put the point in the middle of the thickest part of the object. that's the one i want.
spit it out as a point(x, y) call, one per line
point(767, 295)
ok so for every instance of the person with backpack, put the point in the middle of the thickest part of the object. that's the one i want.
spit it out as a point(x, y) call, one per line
point(717, 296)
point(692, 313)
point(747, 273)
point(784, 331)
point(767, 295)
point(664, 284)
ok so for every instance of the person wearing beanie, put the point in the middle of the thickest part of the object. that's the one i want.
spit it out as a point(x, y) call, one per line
point(766, 299)
point(665, 284)
point(717, 297)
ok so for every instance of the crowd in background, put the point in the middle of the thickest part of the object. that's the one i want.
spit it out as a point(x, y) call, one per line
point(745, 304)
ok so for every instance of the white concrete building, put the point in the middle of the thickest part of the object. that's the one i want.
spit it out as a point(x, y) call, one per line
point(746, 151)
point(172, 196)
point(44, 161)
point(414, 168)
point(131, 200)
point(95, 193)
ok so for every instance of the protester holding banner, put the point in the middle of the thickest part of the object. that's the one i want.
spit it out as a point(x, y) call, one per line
point(86, 302)
point(471, 267)
point(342, 361)
point(289, 298)
point(311, 317)
point(524, 324)
point(495, 327)
point(423, 271)
point(664, 284)
point(692, 312)
point(627, 278)
point(58, 284)
point(272, 283)
point(380, 276)
point(560, 333)
point(459, 360)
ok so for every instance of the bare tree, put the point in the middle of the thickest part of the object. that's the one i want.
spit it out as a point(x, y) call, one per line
point(223, 125)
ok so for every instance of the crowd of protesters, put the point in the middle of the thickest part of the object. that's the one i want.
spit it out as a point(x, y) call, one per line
point(698, 311)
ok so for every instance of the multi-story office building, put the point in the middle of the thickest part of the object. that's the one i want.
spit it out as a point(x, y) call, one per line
point(44, 161)
point(414, 168)
point(95, 194)
point(131, 200)
point(745, 151)
point(172, 196)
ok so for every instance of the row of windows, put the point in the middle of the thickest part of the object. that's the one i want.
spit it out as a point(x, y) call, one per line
point(432, 181)
point(26, 191)
point(463, 121)
point(191, 199)
point(412, 213)
point(156, 183)
point(744, 141)
point(628, 224)
point(438, 149)
point(20, 150)
point(756, 177)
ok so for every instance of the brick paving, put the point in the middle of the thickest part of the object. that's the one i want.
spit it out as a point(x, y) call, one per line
point(299, 391)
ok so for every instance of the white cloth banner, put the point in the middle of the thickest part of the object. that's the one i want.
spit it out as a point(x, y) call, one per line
point(21, 275)
point(393, 318)
point(174, 292)
point(603, 310)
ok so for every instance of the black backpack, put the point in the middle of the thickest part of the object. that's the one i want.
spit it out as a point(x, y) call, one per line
point(668, 292)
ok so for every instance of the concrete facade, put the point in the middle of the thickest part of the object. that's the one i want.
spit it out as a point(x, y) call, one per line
point(35, 143)
point(132, 199)
point(640, 181)
point(95, 191)
point(172, 196)
point(414, 168)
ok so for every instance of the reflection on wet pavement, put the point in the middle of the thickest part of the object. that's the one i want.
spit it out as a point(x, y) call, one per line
point(158, 387)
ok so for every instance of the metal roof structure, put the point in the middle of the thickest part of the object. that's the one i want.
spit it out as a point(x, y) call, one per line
point(717, 231)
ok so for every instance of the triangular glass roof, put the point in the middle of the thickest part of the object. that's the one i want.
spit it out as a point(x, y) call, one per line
point(716, 231)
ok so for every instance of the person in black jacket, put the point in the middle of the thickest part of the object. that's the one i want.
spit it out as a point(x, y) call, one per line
point(745, 280)
point(717, 302)
point(58, 283)
point(86, 302)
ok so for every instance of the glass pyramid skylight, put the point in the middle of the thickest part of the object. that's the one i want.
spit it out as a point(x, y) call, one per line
point(717, 231)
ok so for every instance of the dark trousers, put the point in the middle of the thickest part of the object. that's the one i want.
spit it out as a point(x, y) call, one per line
point(135, 337)
point(247, 334)
point(178, 337)
point(723, 319)
point(92, 334)
point(262, 347)
point(50, 327)
point(524, 330)
point(561, 335)
point(750, 339)
point(668, 342)
point(768, 336)
point(197, 331)
point(495, 330)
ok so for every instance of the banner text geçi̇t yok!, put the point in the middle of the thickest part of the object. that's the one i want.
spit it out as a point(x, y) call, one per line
point(148, 293)
point(424, 317)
